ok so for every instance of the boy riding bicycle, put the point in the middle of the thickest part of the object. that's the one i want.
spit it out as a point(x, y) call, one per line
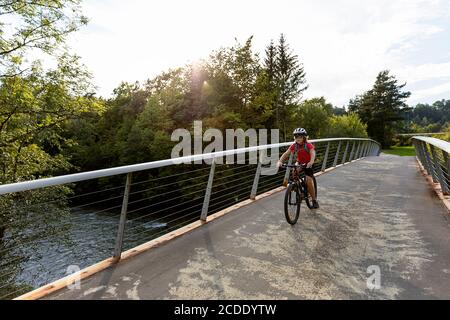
point(305, 155)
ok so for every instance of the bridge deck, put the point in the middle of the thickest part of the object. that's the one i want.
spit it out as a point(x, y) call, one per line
point(377, 211)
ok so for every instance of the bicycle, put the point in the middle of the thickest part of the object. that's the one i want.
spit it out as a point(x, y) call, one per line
point(296, 192)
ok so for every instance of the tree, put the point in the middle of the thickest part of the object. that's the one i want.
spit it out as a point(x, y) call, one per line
point(149, 137)
point(42, 25)
point(34, 110)
point(314, 115)
point(349, 125)
point(35, 106)
point(290, 77)
point(232, 76)
point(382, 107)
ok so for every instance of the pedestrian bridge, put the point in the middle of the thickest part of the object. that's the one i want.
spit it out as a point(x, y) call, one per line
point(381, 232)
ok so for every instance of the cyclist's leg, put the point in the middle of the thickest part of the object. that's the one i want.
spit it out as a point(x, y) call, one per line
point(311, 189)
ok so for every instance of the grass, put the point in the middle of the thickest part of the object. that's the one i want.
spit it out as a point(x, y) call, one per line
point(407, 151)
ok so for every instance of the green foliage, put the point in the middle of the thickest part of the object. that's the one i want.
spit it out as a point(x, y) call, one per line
point(314, 115)
point(349, 125)
point(382, 107)
point(42, 25)
point(446, 135)
point(34, 110)
point(285, 86)
point(401, 141)
point(431, 118)
point(35, 107)
point(339, 111)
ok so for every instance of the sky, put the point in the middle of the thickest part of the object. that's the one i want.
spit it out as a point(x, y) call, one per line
point(343, 44)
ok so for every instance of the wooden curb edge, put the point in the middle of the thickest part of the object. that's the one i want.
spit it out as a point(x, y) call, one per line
point(435, 186)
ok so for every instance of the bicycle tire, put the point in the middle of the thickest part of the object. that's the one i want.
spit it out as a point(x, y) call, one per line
point(292, 189)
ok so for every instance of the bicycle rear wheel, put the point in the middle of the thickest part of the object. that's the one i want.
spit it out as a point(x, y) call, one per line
point(292, 204)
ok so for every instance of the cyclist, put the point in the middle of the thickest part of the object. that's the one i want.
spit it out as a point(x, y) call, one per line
point(305, 155)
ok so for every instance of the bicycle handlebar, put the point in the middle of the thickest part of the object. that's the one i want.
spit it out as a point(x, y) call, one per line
point(284, 166)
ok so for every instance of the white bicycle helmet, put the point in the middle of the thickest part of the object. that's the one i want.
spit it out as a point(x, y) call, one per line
point(300, 131)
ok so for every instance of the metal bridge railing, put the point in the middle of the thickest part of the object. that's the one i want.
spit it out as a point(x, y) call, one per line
point(102, 213)
point(433, 154)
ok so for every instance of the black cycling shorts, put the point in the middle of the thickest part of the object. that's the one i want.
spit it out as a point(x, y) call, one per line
point(309, 172)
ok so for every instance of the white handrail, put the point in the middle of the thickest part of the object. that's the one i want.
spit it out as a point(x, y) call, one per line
point(83, 176)
point(441, 144)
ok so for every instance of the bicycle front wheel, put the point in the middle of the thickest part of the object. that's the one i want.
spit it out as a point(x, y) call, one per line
point(292, 203)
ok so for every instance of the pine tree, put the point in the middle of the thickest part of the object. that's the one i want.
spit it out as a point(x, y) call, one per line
point(382, 107)
point(286, 82)
point(291, 83)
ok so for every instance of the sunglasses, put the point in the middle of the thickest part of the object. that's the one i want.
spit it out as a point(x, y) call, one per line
point(298, 136)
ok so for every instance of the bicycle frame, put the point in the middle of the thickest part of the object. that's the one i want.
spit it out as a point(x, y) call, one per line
point(299, 178)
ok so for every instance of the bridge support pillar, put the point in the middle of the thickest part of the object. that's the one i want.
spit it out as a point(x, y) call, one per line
point(205, 207)
point(123, 218)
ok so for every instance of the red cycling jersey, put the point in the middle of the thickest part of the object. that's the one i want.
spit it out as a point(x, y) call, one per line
point(303, 156)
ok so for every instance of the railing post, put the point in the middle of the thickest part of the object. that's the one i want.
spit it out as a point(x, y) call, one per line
point(439, 172)
point(363, 146)
point(325, 158)
point(256, 180)
point(357, 150)
point(208, 191)
point(351, 152)
point(286, 175)
point(447, 166)
point(345, 152)
point(430, 169)
point(366, 149)
point(363, 149)
point(424, 157)
point(123, 218)
point(369, 151)
point(336, 157)
point(419, 152)
point(428, 164)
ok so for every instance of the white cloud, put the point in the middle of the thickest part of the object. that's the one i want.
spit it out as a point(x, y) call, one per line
point(420, 95)
point(424, 72)
point(343, 45)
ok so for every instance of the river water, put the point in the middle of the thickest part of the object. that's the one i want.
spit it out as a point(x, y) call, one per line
point(89, 238)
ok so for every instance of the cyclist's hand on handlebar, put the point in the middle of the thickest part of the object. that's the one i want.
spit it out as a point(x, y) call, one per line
point(279, 164)
point(309, 165)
